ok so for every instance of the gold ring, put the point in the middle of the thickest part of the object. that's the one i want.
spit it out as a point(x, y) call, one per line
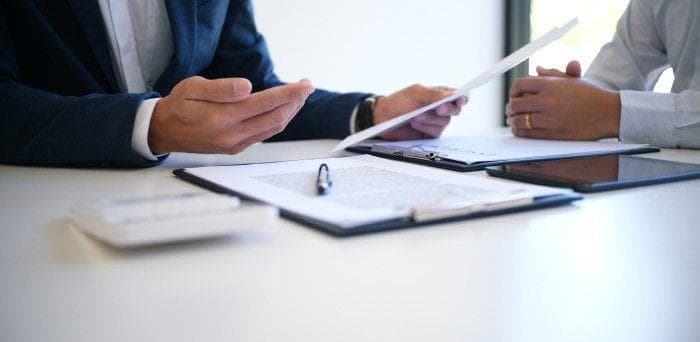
point(528, 125)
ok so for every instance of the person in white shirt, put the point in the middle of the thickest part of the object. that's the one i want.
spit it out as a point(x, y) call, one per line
point(615, 98)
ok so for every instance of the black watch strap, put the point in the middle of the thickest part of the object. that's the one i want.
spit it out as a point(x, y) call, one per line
point(365, 113)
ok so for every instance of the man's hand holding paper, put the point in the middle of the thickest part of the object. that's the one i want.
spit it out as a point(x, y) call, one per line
point(427, 125)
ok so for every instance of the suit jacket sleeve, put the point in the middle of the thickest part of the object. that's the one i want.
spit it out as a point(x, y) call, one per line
point(44, 128)
point(242, 52)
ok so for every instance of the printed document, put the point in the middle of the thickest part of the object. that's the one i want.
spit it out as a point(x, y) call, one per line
point(365, 189)
point(475, 149)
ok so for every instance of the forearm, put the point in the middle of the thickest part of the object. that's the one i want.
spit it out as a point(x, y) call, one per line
point(41, 128)
point(663, 120)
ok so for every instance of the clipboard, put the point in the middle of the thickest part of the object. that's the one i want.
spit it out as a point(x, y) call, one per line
point(439, 161)
point(387, 225)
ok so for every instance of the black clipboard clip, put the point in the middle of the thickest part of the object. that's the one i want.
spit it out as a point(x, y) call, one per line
point(415, 152)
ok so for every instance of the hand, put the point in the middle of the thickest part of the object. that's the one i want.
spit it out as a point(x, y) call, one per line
point(222, 116)
point(562, 106)
point(426, 125)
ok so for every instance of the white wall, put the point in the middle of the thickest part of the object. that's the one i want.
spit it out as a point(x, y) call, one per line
point(382, 46)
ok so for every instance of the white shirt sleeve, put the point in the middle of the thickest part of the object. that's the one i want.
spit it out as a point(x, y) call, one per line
point(142, 122)
point(632, 64)
point(636, 57)
point(663, 120)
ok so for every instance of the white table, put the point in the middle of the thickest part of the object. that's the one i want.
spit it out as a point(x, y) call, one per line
point(618, 266)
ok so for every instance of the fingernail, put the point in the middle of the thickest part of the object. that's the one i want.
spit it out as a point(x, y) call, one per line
point(442, 110)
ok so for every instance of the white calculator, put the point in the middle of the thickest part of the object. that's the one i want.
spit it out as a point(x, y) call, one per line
point(133, 221)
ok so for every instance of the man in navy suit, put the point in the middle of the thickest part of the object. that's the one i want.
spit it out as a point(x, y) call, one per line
point(117, 83)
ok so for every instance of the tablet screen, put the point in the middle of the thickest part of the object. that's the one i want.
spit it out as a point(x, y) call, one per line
point(602, 169)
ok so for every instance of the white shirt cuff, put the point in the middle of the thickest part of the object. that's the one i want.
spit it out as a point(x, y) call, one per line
point(647, 118)
point(353, 119)
point(142, 122)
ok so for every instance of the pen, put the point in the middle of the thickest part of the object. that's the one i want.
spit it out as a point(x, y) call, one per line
point(323, 180)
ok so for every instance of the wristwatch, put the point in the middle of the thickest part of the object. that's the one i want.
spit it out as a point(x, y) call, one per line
point(365, 113)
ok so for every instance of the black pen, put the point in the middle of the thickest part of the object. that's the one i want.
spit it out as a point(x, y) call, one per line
point(323, 180)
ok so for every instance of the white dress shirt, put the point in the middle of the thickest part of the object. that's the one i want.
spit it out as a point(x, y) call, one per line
point(141, 46)
point(651, 36)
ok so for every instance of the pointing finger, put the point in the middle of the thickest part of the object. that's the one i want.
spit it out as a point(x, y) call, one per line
point(430, 130)
point(432, 119)
point(528, 85)
point(525, 104)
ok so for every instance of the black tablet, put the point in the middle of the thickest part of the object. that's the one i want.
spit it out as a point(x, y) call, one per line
point(592, 174)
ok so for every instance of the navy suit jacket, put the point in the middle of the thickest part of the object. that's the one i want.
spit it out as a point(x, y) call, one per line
point(60, 103)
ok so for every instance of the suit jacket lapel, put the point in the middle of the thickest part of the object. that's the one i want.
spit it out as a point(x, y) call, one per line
point(183, 21)
point(89, 17)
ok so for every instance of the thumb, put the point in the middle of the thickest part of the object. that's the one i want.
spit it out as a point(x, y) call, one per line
point(573, 69)
point(425, 95)
point(220, 90)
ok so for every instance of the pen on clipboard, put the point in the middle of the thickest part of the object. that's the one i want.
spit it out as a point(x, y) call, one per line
point(323, 180)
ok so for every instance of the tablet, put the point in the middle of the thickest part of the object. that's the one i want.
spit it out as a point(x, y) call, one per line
point(592, 174)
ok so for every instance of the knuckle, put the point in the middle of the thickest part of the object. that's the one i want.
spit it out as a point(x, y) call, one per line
point(235, 149)
point(279, 120)
point(238, 148)
point(278, 129)
point(265, 104)
point(225, 142)
point(190, 81)
point(515, 88)
point(513, 106)
point(220, 120)
point(549, 103)
point(415, 87)
point(295, 95)
point(185, 88)
point(232, 88)
point(217, 91)
point(517, 84)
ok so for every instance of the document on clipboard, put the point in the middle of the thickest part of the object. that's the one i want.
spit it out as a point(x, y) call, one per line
point(476, 152)
point(372, 194)
point(493, 72)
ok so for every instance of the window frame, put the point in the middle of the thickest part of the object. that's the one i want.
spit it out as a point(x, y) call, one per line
point(517, 34)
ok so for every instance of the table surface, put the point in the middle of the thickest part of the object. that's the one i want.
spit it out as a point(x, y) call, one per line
point(622, 266)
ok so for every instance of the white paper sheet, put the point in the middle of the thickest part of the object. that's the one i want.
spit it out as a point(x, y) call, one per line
point(366, 189)
point(475, 148)
point(495, 71)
